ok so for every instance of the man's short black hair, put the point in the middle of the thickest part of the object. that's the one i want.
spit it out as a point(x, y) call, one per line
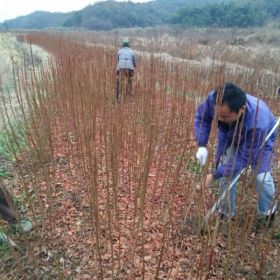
point(230, 95)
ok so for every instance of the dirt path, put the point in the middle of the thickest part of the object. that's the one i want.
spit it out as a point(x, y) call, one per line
point(18, 54)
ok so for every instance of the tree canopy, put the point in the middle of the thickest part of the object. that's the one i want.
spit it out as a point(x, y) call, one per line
point(230, 14)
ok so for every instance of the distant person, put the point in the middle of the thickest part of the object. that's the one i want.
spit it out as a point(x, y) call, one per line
point(243, 121)
point(8, 213)
point(125, 66)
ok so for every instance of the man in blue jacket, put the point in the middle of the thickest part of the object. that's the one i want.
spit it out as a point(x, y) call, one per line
point(242, 121)
point(126, 65)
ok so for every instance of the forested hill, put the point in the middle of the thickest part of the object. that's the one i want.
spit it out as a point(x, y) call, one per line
point(38, 20)
point(110, 14)
point(239, 13)
point(104, 15)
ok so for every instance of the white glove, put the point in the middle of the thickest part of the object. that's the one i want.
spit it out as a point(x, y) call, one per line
point(202, 155)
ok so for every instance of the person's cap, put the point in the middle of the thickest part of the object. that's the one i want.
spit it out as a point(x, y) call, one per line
point(125, 42)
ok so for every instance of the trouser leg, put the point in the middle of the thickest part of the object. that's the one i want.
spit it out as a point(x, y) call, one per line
point(129, 85)
point(6, 206)
point(227, 206)
point(118, 85)
point(130, 76)
point(266, 193)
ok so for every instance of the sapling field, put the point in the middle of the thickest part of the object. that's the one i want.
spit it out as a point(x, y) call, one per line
point(114, 189)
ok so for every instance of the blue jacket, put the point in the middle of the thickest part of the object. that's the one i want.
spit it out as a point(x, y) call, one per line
point(126, 59)
point(250, 134)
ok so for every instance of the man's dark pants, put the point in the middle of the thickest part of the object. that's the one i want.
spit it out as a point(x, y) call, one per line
point(7, 211)
point(128, 74)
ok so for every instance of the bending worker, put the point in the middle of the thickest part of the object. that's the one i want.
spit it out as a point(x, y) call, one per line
point(126, 65)
point(243, 121)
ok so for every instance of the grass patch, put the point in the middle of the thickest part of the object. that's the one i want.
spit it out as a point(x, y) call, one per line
point(4, 246)
point(4, 173)
point(277, 235)
point(194, 167)
point(4, 249)
point(19, 202)
point(12, 141)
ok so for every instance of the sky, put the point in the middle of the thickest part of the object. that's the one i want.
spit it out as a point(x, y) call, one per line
point(10, 9)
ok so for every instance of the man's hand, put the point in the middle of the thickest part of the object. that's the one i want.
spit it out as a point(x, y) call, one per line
point(202, 155)
point(208, 181)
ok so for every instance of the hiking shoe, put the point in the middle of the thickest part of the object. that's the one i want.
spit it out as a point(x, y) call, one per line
point(270, 219)
point(265, 222)
point(22, 226)
point(224, 217)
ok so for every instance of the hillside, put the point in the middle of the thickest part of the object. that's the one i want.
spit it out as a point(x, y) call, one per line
point(110, 14)
point(106, 15)
point(229, 14)
point(37, 20)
